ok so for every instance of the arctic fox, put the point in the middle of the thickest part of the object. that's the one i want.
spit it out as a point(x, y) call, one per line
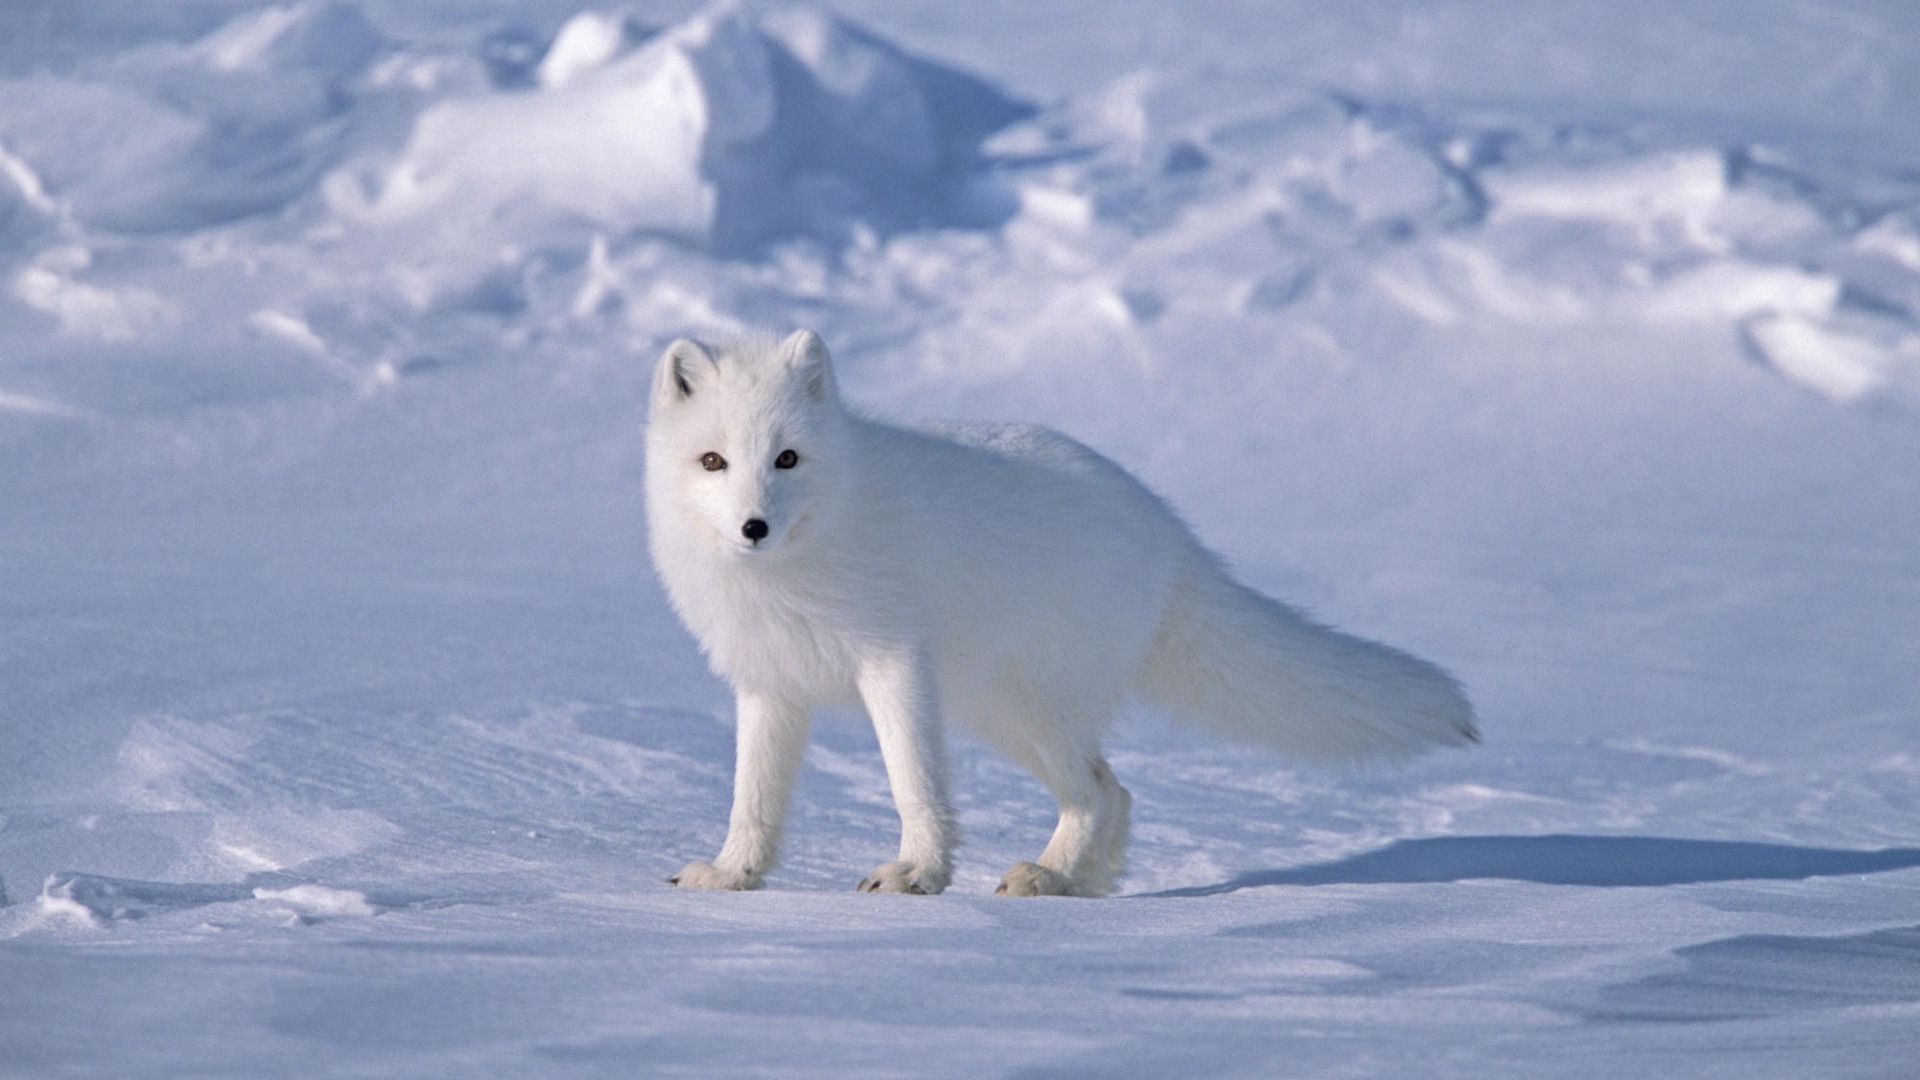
point(1002, 577)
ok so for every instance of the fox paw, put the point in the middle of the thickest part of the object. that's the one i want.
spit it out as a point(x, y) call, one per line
point(904, 877)
point(705, 875)
point(1032, 879)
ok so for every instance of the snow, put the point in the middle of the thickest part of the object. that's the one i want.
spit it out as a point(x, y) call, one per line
point(691, 134)
point(343, 730)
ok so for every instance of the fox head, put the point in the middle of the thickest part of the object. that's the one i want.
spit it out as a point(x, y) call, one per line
point(745, 443)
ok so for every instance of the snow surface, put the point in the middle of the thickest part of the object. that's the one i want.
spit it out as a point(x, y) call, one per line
point(343, 730)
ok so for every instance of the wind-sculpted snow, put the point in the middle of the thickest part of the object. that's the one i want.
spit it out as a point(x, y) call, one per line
point(178, 137)
point(344, 731)
point(726, 131)
point(95, 900)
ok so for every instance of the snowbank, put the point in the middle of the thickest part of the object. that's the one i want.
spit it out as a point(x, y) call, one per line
point(726, 130)
point(181, 137)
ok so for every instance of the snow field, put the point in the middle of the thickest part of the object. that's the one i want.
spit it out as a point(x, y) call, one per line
point(343, 730)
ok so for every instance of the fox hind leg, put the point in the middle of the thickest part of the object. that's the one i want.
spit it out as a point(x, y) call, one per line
point(1088, 851)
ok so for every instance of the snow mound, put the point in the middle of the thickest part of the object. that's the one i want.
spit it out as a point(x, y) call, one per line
point(333, 38)
point(319, 901)
point(727, 130)
point(1843, 365)
point(1681, 198)
point(244, 121)
point(587, 41)
point(1704, 236)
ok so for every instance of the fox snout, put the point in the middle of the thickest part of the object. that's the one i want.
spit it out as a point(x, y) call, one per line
point(765, 531)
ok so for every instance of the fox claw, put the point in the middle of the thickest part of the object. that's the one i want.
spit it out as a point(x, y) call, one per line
point(900, 877)
point(1032, 879)
point(700, 875)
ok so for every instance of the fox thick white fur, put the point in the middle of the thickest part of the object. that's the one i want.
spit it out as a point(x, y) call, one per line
point(1004, 578)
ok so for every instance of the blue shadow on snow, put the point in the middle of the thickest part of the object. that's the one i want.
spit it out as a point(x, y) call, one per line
point(1611, 861)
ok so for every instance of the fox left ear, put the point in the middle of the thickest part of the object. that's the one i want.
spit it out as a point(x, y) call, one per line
point(806, 355)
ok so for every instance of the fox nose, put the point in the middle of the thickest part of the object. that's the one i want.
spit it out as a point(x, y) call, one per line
point(754, 530)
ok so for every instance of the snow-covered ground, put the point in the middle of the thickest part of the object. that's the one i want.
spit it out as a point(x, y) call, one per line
point(343, 730)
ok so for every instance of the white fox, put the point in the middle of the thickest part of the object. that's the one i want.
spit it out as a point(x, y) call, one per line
point(1003, 577)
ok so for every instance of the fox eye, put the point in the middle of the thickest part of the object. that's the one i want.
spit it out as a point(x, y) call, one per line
point(712, 462)
point(787, 460)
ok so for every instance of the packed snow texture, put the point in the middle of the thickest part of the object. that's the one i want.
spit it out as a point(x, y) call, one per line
point(343, 730)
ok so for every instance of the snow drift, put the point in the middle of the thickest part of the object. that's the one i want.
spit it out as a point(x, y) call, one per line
point(726, 130)
point(181, 137)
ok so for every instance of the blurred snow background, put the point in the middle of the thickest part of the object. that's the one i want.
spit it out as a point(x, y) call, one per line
point(342, 729)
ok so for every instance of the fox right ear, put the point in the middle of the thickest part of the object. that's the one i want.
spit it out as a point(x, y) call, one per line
point(679, 371)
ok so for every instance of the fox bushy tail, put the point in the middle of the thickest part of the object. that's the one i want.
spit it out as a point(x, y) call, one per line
point(1240, 664)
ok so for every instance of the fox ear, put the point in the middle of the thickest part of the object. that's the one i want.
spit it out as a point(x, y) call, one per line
point(806, 355)
point(679, 371)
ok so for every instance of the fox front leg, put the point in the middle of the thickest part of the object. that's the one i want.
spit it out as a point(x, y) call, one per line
point(771, 742)
point(899, 696)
